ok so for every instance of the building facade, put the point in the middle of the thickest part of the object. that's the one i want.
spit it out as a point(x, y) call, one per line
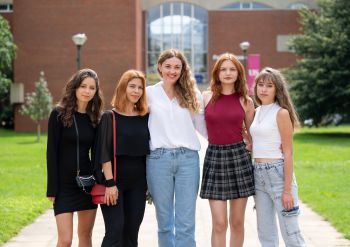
point(125, 34)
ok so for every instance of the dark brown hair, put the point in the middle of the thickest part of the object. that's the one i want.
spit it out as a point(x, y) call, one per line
point(68, 103)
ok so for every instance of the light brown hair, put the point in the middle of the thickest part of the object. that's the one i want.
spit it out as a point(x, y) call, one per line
point(282, 96)
point(185, 87)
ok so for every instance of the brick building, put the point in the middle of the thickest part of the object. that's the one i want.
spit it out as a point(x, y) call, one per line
point(124, 34)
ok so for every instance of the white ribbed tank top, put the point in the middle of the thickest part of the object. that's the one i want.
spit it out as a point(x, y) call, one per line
point(265, 134)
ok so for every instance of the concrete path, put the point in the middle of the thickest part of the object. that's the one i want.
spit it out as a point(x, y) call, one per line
point(316, 231)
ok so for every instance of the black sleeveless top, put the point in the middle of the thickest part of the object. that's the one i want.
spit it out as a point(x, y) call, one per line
point(131, 149)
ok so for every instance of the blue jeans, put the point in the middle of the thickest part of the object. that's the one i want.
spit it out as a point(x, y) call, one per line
point(269, 186)
point(173, 181)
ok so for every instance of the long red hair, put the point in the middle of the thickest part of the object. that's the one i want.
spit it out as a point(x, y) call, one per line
point(240, 85)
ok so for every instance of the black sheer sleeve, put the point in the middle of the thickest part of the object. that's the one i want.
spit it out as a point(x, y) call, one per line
point(103, 148)
point(52, 151)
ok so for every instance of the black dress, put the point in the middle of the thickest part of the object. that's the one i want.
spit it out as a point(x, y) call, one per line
point(62, 162)
point(122, 221)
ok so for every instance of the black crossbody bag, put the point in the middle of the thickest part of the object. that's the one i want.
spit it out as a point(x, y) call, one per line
point(84, 180)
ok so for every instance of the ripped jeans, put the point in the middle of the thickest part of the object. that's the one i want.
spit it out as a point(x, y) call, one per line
point(269, 186)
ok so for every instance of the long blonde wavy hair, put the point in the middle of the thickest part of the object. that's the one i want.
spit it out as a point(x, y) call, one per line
point(185, 87)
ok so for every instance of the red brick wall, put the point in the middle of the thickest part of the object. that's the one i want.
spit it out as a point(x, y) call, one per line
point(116, 40)
point(8, 16)
point(144, 48)
point(43, 33)
point(227, 29)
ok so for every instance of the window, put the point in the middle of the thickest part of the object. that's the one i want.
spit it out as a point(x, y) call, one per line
point(6, 7)
point(283, 43)
point(178, 25)
point(246, 6)
point(298, 6)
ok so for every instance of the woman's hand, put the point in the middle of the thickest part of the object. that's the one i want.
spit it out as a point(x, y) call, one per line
point(111, 195)
point(51, 199)
point(287, 200)
point(249, 147)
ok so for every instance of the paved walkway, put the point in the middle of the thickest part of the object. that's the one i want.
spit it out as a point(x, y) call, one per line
point(316, 231)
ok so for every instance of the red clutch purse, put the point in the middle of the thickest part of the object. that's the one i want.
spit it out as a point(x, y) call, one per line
point(98, 190)
point(98, 194)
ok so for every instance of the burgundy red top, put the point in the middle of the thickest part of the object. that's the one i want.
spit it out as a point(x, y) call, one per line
point(224, 120)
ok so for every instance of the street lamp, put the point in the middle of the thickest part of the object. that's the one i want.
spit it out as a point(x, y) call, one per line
point(79, 39)
point(244, 46)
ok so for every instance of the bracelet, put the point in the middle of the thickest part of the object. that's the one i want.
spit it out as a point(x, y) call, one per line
point(110, 182)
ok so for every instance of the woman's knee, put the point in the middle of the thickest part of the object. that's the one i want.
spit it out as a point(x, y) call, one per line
point(220, 226)
point(85, 233)
point(64, 241)
point(237, 224)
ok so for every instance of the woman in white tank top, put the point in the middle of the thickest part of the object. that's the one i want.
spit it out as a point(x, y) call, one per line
point(275, 184)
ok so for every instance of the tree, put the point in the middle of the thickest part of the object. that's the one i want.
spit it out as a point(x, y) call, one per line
point(38, 104)
point(320, 81)
point(7, 55)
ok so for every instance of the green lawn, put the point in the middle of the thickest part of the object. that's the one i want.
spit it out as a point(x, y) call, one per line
point(322, 164)
point(22, 181)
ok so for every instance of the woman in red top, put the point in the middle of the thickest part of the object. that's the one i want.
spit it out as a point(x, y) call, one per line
point(228, 170)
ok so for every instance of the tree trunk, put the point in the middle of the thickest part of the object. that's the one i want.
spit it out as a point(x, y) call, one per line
point(38, 131)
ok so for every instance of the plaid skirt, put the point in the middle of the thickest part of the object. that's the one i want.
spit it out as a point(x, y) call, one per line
point(227, 172)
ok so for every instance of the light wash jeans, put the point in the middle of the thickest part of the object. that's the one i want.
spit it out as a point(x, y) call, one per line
point(269, 186)
point(173, 181)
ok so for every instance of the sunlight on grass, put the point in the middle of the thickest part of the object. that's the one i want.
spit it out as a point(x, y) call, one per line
point(322, 163)
point(23, 181)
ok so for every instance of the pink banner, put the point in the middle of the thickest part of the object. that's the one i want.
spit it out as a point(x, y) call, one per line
point(253, 69)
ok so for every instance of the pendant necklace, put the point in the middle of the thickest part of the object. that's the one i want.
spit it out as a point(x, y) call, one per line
point(264, 111)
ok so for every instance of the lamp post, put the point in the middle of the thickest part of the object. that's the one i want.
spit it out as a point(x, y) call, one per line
point(79, 39)
point(244, 46)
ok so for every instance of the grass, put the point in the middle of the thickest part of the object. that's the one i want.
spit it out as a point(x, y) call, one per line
point(23, 181)
point(322, 164)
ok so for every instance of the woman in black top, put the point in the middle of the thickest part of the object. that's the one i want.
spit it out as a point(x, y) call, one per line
point(125, 199)
point(81, 99)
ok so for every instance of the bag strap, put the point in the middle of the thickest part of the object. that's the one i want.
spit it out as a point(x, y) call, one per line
point(77, 134)
point(114, 148)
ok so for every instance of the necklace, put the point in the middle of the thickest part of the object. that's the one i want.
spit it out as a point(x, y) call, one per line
point(264, 110)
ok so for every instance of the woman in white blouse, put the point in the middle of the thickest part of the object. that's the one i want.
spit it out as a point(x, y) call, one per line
point(176, 112)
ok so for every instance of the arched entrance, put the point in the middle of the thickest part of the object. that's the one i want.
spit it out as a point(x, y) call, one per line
point(182, 26)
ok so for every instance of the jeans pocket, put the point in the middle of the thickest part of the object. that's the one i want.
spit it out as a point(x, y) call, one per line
point(278, 171)
point(292, 230)
point(291, 224)
point(190, 154)
point(155, 155)
point(292, 212)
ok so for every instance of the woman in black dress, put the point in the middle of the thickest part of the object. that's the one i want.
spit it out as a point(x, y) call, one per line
point(125, 199)
point(81, 100)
